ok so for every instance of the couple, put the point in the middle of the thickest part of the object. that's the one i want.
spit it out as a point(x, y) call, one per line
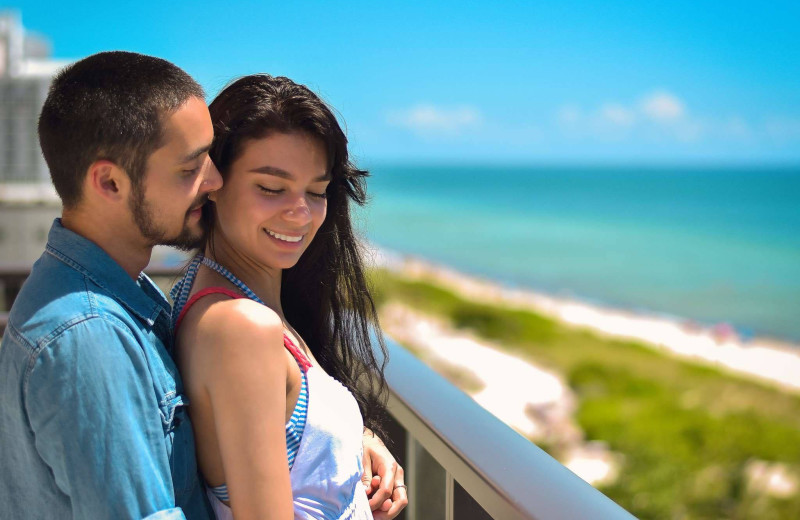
point(93, 411)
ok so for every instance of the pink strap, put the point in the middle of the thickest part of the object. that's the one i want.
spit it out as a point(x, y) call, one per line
point(301, 358)
point(200, 294)
point(298, 355)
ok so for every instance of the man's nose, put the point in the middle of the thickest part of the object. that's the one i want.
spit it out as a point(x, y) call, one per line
point(212, 180)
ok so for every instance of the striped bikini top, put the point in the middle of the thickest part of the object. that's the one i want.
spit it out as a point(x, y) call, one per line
point(297, 422)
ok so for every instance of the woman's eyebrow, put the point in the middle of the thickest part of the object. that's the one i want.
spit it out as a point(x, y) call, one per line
point(283, 174)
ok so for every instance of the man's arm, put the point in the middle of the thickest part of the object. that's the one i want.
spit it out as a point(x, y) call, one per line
point(384, 478)
point(92, 408)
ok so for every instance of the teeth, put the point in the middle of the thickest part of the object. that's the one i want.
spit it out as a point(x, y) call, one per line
point(285, 238)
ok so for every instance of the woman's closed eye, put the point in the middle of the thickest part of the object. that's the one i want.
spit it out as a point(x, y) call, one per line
point(270, 191)
point(319, 190)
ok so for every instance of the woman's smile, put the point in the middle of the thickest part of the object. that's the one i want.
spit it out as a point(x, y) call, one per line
point(288, 239)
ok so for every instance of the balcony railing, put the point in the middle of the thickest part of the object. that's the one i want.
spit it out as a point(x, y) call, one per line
point(13, 276)
point(461, 462)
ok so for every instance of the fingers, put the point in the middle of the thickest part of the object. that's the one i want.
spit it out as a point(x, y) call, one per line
point(399, 495)
point(367, 478)
point(382, 513)
point(387, 473)
point(391, 508)
point(382, 476)
point(398, 504)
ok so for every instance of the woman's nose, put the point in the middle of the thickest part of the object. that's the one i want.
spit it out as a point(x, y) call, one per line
point(298, 210)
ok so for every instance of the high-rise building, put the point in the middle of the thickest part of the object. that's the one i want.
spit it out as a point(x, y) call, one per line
point(28, 202)
point(25, 75)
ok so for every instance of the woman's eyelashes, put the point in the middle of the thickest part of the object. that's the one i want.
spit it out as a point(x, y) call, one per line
point(269, 191)
point(278, 191)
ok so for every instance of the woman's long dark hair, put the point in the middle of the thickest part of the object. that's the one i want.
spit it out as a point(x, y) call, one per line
point(325, 296)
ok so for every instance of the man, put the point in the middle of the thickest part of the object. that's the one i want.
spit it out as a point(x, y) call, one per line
point(93, 420)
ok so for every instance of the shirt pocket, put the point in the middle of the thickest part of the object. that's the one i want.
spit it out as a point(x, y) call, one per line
point(179, 440)
point(171, 406)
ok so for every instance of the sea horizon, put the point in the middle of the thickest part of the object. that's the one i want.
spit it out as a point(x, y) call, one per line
point(700, 245)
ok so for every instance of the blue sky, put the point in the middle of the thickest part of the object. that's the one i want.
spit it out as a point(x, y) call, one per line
point(573, 82)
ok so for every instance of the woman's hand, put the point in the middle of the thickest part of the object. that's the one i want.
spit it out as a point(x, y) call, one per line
point(383, 478)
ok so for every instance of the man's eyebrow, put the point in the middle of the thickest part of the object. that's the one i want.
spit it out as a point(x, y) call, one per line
point(283, 174)
point(195, 154)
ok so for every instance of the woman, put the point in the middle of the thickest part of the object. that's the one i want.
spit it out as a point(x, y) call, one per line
point(275, 306)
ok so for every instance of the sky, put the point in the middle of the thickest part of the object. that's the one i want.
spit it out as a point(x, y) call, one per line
point(689, 82)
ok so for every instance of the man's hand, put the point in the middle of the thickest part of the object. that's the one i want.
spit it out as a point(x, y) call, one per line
point(383, 478)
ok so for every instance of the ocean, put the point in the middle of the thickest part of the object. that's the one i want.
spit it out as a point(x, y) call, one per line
point(705, 245)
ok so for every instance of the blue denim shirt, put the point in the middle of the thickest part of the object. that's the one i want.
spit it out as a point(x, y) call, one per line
point(93, 419)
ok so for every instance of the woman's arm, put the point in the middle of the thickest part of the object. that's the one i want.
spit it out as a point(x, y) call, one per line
point(242, 362)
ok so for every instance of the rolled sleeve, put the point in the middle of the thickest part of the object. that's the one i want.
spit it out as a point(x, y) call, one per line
point(90, 401)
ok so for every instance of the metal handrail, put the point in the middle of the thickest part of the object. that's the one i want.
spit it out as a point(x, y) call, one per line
point(510, 477)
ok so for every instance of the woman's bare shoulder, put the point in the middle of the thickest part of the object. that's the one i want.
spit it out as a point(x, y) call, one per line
point(219, 326)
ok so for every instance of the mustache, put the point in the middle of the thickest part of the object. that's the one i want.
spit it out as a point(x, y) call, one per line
point(199, 203)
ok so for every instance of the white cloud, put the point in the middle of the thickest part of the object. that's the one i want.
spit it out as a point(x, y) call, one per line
point(782, 129)
point(737, 128)
point(687, 130)
point(430, 119)
point(569, 114)
point(657, 116)
point(617, 115)
point(610, 122)
point(662, 106)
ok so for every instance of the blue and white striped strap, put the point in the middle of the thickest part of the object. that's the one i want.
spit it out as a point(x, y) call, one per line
point(211, 264)
point(221, 492)
point(180, 291)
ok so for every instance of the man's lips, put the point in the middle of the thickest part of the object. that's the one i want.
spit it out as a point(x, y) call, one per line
point(199, 208)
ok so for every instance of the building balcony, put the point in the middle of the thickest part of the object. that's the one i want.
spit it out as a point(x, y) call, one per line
point(460, 461)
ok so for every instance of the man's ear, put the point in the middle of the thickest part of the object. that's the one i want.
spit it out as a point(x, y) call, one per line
point(107, 181)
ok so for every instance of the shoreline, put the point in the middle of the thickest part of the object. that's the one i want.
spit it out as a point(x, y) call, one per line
point(767, 360)
point(533, 400)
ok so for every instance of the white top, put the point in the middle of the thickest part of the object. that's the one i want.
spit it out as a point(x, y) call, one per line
point(326, 475)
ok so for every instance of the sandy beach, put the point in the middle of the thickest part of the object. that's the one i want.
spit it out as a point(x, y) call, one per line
point(534, 401)
point(770, 361)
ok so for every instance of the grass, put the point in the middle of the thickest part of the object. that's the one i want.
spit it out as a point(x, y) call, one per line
point(686, 432)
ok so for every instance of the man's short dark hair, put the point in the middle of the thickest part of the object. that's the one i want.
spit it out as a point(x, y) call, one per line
point(112, 106)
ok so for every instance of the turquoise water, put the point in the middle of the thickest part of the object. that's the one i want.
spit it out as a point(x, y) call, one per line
point(708, 245)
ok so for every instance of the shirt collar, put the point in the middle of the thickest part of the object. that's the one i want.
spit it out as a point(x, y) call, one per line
point(141, 297)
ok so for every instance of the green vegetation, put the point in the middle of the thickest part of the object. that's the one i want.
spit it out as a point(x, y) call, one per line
point(686, 433)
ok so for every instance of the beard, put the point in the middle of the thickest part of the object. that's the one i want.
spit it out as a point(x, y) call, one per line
point(143, 216)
